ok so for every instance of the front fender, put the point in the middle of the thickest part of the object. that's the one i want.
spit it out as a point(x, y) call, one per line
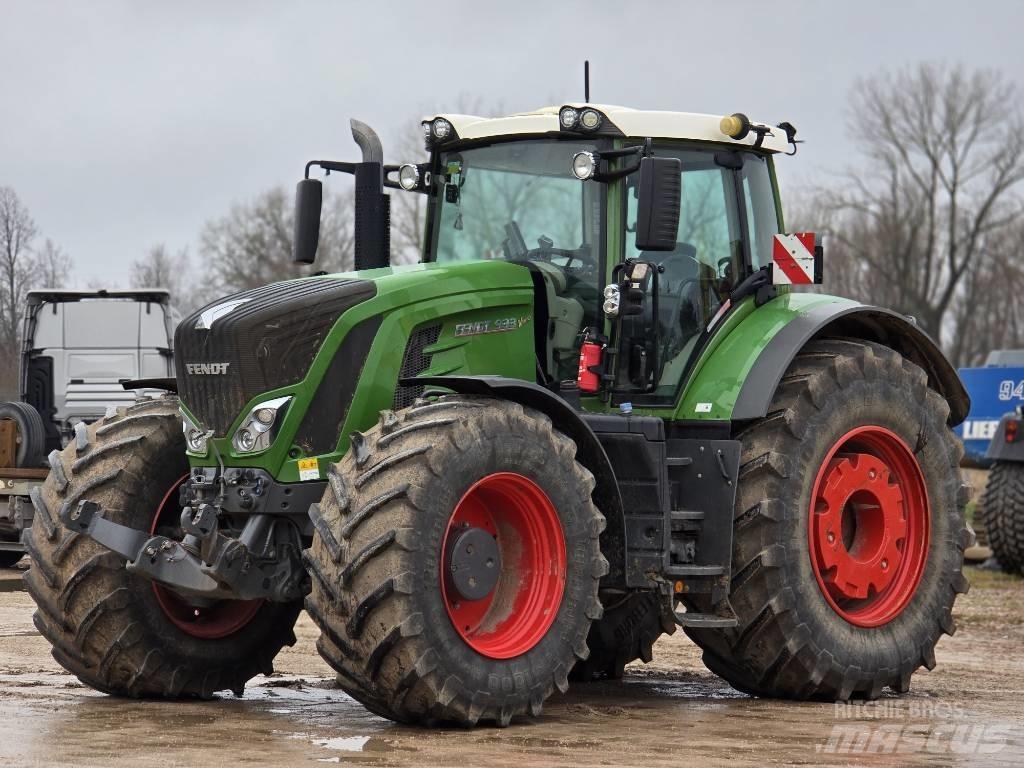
point(737, 377)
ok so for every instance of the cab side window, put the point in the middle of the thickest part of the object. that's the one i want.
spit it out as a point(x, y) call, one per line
point(762, 215)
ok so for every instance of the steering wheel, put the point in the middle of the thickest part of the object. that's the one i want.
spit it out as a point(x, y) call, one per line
point(545, 250)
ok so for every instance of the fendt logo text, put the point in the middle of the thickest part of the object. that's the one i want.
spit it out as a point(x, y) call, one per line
point(207, 369)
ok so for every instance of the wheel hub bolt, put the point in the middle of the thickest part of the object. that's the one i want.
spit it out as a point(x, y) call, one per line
point(831, 537)
point(885, 564)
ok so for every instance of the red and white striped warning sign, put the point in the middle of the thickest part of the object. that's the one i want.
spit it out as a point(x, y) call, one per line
point(793, 256)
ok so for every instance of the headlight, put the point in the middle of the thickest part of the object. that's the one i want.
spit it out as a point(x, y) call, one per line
point(245, 440)
point(195, 438)
point(611, 300)
point(259, 428)
point(408, 177)
point(568, 117)
point(590, 119)
point(584, 165)
point(441, 128)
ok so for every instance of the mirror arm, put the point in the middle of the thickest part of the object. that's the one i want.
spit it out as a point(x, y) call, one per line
point(642, 150)
point(332, 165)
point(615, 175)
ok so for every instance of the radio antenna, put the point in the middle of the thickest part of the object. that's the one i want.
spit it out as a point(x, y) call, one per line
point(586, 81)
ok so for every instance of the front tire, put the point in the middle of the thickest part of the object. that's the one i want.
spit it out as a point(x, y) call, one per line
point(407, 634)
point(1002, 509)
point(849, 531)
point(117, 632)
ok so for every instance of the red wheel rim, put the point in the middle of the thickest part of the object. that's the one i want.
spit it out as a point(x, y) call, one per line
point(514, 616)
point(212, 622)
point(869, 526)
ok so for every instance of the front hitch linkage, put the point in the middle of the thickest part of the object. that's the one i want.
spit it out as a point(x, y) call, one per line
point(206, 563)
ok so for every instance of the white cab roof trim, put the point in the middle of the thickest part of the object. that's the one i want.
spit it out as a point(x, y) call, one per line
point(634, 123)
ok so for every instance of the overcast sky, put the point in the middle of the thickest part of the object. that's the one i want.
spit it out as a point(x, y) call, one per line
point(125, 124)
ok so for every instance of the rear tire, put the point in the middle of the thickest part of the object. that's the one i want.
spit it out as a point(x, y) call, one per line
point(1002, 509)
point(627, 632)
point(380, 560)
point(31, 434)
point(107, 626)
point(800, 639)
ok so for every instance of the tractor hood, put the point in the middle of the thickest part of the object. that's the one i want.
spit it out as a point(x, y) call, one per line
point(338, 347)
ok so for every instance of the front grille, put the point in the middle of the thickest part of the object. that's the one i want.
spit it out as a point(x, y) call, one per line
point(266, 343)
point(320, 429)
point(414, 363)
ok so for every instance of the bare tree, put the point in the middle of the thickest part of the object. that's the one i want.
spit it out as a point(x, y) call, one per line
point(17, 231)
point(53, 266)
point(160, 268)
point(408, 209)
point(989, 313)
point(252, 245)
point(944, 152)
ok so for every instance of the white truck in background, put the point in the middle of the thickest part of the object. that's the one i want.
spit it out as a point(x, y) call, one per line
point(78, 349)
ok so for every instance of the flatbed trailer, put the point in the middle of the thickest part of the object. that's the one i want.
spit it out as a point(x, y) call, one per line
point(16, 507)
point(16, 485)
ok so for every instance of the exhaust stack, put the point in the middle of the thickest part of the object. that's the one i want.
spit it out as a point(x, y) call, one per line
point(373, 206)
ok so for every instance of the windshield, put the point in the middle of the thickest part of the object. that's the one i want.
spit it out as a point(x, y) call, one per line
point(518, 201)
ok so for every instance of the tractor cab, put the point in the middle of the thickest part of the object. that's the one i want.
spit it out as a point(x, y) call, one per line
point(567, 193)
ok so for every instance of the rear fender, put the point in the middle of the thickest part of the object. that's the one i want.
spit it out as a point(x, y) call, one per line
point(739, 379)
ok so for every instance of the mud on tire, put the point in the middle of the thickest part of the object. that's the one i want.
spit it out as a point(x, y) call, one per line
point(790, 642)
point(105, 624)
point(1002, 509)
point(376, 562)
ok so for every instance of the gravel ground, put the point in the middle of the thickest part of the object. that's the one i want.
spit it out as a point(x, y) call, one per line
point(967, 711)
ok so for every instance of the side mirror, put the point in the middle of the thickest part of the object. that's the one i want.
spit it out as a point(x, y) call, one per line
point(308, 201)
point(660, 193)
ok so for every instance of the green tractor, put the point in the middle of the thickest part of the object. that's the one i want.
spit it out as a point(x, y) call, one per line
point(593, 413)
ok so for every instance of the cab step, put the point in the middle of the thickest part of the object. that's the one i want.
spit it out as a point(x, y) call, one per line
point(694, 570)
point(704, 620)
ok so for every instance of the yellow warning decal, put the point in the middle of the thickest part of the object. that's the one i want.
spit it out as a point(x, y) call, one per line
point(309, 469)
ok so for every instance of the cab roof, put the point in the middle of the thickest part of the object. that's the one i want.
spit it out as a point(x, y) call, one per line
point(56, 295)
point(634, 123)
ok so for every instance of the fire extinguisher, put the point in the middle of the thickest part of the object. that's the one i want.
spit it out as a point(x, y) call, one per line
point(588, 378)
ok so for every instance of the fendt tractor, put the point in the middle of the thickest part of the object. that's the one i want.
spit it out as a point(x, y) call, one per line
point(594, 412)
